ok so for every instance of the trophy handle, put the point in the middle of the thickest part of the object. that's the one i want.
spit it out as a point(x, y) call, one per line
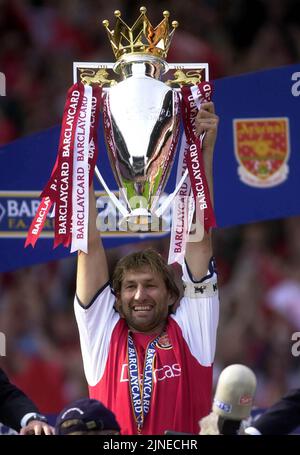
point(171, 196)
point(113, 198)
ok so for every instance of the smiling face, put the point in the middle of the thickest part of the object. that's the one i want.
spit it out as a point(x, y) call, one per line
point(144, 300)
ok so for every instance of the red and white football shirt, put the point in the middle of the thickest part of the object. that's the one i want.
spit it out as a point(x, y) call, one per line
point(182, 375)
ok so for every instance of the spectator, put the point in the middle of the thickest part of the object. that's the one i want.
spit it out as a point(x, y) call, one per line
point(86, 417)
point(17, 411)
point(281, 418)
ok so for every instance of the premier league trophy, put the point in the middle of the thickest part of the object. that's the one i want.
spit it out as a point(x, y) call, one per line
point(142, 112)
point(142, 109)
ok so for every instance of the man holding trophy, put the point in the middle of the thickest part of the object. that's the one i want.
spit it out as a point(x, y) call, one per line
point(150, 365)
point(151, 368)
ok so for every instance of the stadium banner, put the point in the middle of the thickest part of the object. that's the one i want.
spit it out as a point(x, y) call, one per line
point(256, 168)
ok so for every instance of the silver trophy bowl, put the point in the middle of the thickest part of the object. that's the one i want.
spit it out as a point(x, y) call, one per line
point(141, 119)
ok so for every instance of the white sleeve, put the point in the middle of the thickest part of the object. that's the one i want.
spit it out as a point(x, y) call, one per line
point(198, 315)
point(95, 324)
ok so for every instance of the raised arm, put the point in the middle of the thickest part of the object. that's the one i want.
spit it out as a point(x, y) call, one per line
point(198, 254)
point(92, 270)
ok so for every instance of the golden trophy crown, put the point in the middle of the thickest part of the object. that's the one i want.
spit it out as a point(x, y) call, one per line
point(142, 37)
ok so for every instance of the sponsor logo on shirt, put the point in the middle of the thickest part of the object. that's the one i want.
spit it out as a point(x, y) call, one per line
point(160, 374)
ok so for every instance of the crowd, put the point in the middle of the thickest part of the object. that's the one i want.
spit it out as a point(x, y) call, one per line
point(258, 264)
point(40, 39)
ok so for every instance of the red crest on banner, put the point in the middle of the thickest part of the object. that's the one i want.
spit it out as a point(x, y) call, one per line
point(262, 148)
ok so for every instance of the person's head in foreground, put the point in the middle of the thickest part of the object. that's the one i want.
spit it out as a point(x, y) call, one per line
point(145, 290)
point(86, 417)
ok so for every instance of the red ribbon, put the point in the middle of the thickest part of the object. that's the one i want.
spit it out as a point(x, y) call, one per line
point(194, 156)
point(93, 144)
point(38, 221)
point(63, 208)
point(59, 187)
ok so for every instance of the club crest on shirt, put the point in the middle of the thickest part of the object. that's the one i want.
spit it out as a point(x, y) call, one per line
point(164, 342)
point(262, 147)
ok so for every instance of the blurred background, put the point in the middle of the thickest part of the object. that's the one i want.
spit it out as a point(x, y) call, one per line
point(258, 264)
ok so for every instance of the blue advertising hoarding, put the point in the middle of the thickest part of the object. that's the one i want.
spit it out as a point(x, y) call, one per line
point(256, 166)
